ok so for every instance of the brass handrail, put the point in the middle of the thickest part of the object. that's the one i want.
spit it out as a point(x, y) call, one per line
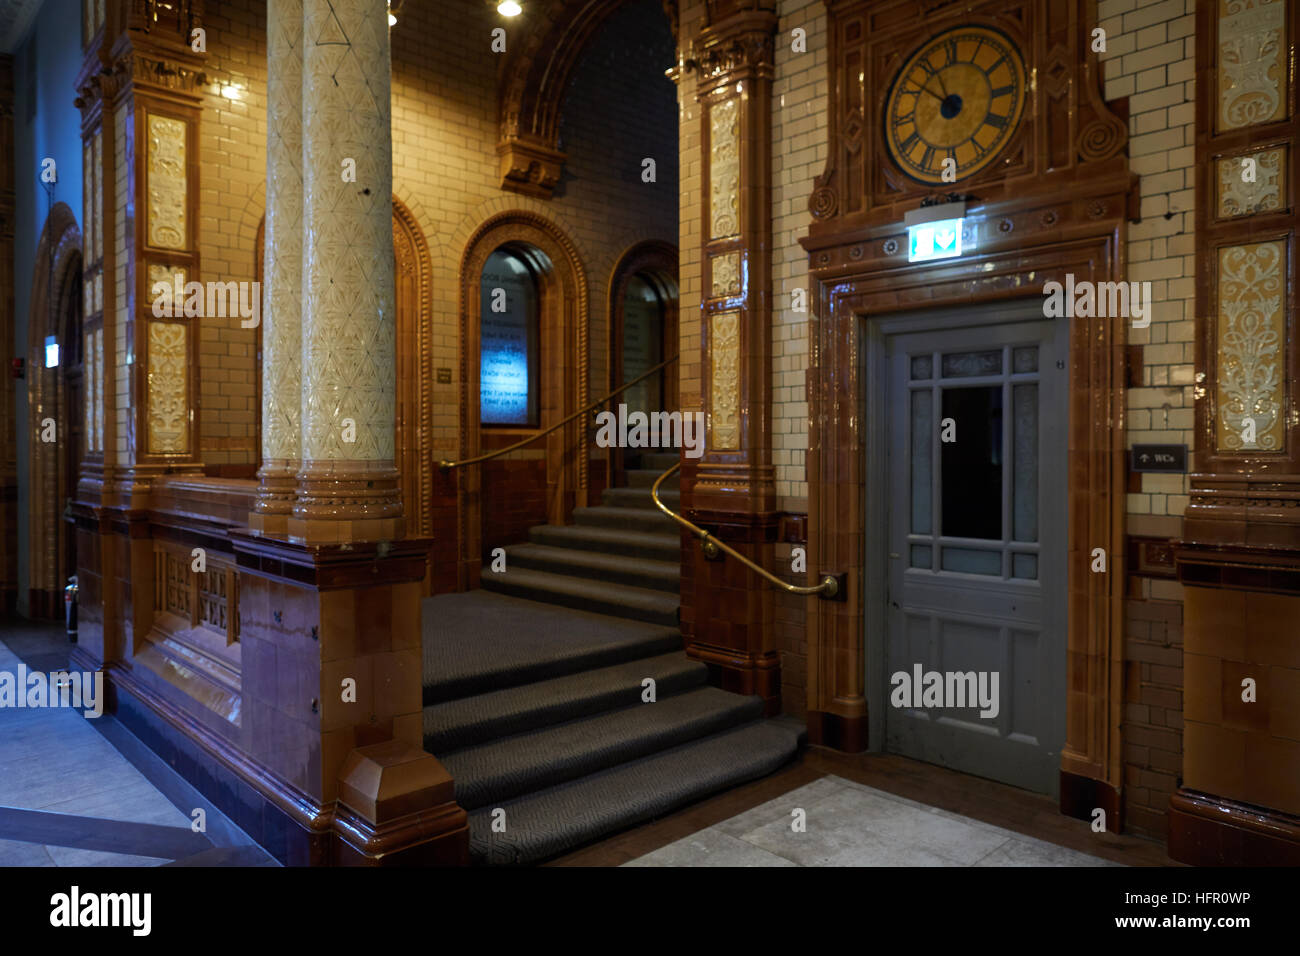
point(446, 466)
point(828, 588)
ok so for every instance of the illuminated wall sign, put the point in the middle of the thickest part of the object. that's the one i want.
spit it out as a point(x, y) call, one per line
point(934, 232)
point(51, 351)
point(934, 240)
point(508, 336)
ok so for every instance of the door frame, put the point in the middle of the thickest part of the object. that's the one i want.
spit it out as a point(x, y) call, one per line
point(875, 410)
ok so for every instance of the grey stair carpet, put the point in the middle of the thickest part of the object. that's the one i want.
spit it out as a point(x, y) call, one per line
point(533, 685)
point(485, 717)
point(532, 761)
point(547, 823)
point(602, 597)
point(618, 569)
point(480, 641)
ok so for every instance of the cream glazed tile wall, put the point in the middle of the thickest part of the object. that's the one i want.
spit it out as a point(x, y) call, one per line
point(1151, 58)
point(799, 143)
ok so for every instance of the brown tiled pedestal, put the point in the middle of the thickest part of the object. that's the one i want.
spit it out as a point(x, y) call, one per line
point(1239, 803)
point(312, 618)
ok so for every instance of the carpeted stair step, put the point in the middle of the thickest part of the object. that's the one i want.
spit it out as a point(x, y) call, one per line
point(628, 519)
point(499, 771)
point(639, 478)
point(600, 597)
point(640, 498)
point(658, 461)
point(595, 565)
point(545, 824)
point(662, 546)
point(475, 720)
point(480, 641)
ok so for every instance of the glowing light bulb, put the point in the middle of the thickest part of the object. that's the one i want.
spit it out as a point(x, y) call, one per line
point(509, 8)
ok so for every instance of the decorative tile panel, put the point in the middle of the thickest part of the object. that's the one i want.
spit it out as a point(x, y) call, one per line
point(1238, 197)
point(97, 178)
point(160, 272)
point(168, 413)
point(726, 275)
point(167, 207)
point(1252, 64)
point(1250, 335)
point(724, 169)
point(724, 381)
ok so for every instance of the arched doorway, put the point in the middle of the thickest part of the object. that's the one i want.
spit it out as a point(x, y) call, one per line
point(56, 405)
point(642, 333)
point(520, 280)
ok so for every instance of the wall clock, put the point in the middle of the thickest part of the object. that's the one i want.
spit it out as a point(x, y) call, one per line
point(959, 97)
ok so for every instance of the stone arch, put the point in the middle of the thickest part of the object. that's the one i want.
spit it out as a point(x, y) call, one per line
point(56, 291)
point(565, 316)
point(535, 80)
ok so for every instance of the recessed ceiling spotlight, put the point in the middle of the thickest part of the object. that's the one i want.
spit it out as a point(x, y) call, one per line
point(509, 8)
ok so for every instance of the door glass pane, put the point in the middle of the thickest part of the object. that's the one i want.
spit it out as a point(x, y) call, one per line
point(1024, 566)
point(922, 555)
point(971, 561)
point(642, 345)
point(1025, 359)
point(972, 465)
point(1024, 468)
point(922, 439)
point(922, 367)
point(960, 364)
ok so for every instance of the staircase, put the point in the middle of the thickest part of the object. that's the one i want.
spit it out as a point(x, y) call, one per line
point(533, 686)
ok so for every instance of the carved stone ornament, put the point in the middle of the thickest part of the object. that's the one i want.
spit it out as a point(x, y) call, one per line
point(530, 167)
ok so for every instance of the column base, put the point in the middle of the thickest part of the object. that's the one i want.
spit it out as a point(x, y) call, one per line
point(1205, 830)
point(341, 502)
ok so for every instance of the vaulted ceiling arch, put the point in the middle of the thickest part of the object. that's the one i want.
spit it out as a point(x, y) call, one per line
point(547, 48)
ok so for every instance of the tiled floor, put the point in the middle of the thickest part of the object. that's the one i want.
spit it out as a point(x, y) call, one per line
point(851, 824)
point(68, 797)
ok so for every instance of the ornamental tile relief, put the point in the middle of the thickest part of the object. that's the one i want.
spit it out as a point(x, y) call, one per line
point(168, 413)
point(726, 275)
point(88, 216)
point(98, 390)
point(92, 439)
point(724, 381)
point(1238, 197)
point(1252, 68)
point(724, 168)
point(282, 241)
point(160, 272)
point(97, 178)
point(1250, 333)
point(348, 320)
point(167, 193)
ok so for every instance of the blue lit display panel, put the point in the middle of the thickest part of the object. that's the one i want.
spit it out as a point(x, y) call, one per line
point(508, 371)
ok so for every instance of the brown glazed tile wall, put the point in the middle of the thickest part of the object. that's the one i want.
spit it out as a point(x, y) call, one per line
point(1153, 707)
point(1246, 751)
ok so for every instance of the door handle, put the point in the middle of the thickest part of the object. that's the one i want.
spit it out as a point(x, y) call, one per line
point(893, 555)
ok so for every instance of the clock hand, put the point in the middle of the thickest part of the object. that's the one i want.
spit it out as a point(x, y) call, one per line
point(926, 89)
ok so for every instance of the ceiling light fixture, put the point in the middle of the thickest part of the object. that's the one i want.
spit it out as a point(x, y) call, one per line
point(392, 17)
point(509, 8)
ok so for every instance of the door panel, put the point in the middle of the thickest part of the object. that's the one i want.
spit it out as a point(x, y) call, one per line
point(976, 545)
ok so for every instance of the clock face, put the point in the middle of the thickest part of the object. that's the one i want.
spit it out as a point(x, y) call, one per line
point(958, 97)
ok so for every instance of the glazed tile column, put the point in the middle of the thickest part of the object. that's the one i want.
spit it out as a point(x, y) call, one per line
point(347, 483)
point(727, 616)
point(282, 272)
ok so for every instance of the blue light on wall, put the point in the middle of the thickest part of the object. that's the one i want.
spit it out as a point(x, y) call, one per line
point(934, 240)
point(51, 352)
